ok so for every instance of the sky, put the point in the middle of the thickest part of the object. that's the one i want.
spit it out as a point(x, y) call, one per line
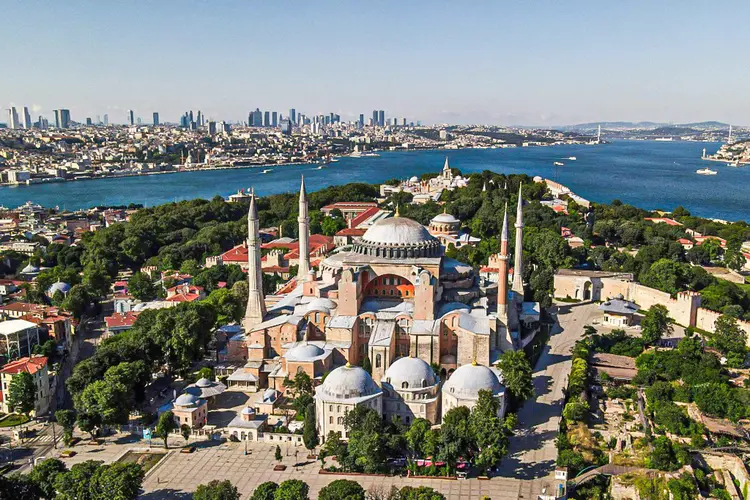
point(508, 62)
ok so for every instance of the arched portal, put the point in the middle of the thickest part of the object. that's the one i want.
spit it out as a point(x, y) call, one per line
point(587, 291)
point(390, 286)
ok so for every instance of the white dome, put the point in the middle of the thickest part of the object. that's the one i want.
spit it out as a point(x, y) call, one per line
point(203, 382)
point(348, 382)
point(468, 380)
point(321, 304)
point(445, 219)
point(58, 287)
point(413, 371)
point(186, 399)
point(30, 269)
point(304, 352)
point(397, 231)
point(414, 179)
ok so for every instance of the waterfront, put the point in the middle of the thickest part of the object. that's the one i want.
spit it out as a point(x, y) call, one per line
point(646, 174)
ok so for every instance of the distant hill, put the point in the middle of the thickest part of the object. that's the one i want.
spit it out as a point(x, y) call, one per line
point(688, 127)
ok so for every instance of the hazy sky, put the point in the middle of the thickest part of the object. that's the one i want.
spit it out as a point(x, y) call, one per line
point(504, 62)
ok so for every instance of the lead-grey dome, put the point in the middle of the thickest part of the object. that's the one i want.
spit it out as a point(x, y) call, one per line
point(398, 237)
point(304, 352)
point(468, 380)
point(348, 383)
point(58, 286)
point(30, 269)
point(414, 372)
point(186, 399)
point(445, 218)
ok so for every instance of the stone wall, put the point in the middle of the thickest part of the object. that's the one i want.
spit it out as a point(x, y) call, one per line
point(732, 464)
point(706, 320)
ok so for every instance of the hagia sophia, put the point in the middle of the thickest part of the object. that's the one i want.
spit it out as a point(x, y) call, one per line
point(430, 327)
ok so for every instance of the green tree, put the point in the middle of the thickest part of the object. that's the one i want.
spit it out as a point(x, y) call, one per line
point(75, 484)
point(265, 491)
point(77, 300)
point(655, 324)
point(22, 393)
point(517, 371)
point(334, 446)
point(456, 439)
point(488, 431)
point(186, 432)
point(419, 493)
point(119, 481)
point(109, 400)
point(367, 365)
point(44, 474)
point(730, 340)
point(217, 490)
point(332, 225)
point(18, 487)
point(67, 420)
point(292, 489)
point(342, 489)
point(141, 287)
point(88, 422)
point(310, 430)
point(575, 409)
point(164, 426)
point(96, 280)
point(417, 438)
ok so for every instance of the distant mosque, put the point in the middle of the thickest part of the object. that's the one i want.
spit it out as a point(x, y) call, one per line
point(392, 297)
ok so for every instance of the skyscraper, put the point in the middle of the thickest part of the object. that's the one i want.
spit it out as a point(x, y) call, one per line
point(257, 118)
point(156, 118)
point(106, 119)
point(293, 115)
point(13, 119)
point(88, 121)
point(274, 119)
point(62, 118)
point(361, 120)
point(211, 127)
point(375, 117)
point(200, 118)
point(267, 119)
point(26, 118)
point(381, 118)
point(131, 118)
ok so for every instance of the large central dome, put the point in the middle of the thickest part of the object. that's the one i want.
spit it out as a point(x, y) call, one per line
point(398, 237)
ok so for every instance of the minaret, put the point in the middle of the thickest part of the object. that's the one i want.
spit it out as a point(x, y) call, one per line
point(502, 278)
point(518, 261)
point(304, 235)
point(447, 174)
point(256, 305)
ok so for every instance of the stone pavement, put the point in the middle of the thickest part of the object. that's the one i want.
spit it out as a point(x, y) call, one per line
point(179, 474)
point(532, 453)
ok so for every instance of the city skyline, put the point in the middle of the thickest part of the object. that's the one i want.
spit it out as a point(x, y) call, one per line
point(492, 64)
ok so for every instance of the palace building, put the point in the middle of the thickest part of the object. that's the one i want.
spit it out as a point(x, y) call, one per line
point(393, 297)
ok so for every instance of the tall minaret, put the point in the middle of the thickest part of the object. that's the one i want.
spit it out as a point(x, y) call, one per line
point(256, 305)
point(304, 234)
point(518, 261)
point(502, 279)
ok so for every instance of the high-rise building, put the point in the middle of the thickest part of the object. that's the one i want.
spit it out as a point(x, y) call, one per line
point(274, 119)
point(42, 123)
point(156, 118)
point(361, 120)
point(26, 118)
point(211, 127)
point(267, 119)
point(381, 118)
point(62, 118)
point(13, 118)
point(88, 121)
point(374, 116)
point(293, 115)
point(106, 119)
point(200, 118)
point(286, 126)
point(131, 118)
point(257, 118)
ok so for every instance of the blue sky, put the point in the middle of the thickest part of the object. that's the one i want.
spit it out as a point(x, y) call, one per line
point(504, 62)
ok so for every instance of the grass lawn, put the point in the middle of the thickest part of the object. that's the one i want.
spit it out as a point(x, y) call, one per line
point(13, 419)
point(145, 460)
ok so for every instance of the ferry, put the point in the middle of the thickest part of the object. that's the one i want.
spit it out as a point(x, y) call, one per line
point(369, 155)
point(705, 171)
point(559, 164)
point(663, 139)
point(735, 163)
point(572, 158)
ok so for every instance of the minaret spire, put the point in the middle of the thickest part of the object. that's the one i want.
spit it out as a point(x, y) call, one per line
point(304, 234)
point(502, 278)
point(256, 305)
point(518, 261)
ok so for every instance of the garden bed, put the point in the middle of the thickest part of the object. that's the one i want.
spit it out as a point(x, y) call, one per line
point(145, 460)
point(13, 420)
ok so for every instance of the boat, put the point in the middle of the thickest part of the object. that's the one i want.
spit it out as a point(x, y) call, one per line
point(572, 158)
point(705, 171)
point(559, 164)
point(267, 171)
point(663, 139)
point(369, 155)
point(320, 167)
point(356, 154)
point(735, 163)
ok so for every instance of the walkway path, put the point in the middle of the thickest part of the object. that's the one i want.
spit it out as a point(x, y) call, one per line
point(533, 452)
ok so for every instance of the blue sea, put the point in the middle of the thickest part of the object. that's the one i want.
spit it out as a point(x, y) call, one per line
point(647, 174)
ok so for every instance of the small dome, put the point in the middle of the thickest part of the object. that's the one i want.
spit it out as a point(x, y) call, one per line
point(409, 373)
point(304, 352)
point(203, 382)
point(414, 179)
point(30, 269)
point(186, 399)
point(248, 411)
point(445, 219)
point(58, 287)
point(468, 380)
point(321, 304)
point(348, 382)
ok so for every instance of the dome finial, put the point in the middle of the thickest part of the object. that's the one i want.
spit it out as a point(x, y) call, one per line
point(398, 214)
point(474, 362)
point(348, 364)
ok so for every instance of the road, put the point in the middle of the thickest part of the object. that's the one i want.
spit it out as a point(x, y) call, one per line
point(532, 451)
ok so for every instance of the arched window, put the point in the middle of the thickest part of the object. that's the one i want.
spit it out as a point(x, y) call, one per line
point(317, 317)
point(424, 383)
point(330, 420)
point(404, 385)
point(378, 360)
point(340, 421)
point(330, 408)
